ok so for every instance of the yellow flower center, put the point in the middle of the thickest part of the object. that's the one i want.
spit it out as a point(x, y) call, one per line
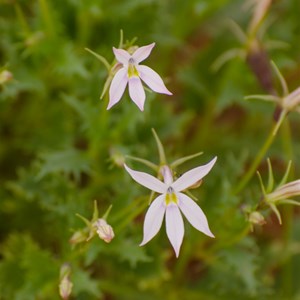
point(132, 71)
point(171, 196)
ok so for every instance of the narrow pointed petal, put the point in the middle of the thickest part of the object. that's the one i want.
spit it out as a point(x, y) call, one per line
point(117, 87)
point(194, 214)
point(153, 80)
point(136, 92)
point(191, 177)
point(121, 55)
point(147, 180)
point(142, 53)
point(166, 172)
point(153, 219)
point(174, 226)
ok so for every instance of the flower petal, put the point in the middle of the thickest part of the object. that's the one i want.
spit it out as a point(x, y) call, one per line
point(153, 219)
point(121, 55)
point(117, 87)
point(136, 92)
point(167, 175)
point(194, 214)
point(174, 226)
point(153, 80)
point(191, 177)
point(147, 180)
point(142, 53)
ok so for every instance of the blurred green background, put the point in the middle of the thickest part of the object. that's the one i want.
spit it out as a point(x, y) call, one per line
point(60, 148)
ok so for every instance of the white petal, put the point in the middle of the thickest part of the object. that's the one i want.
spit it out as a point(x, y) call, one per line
point(174, 226)
point(191, 177)
point(153, 80)
point(167, 175)
point(194, 214)
point(121, 55)
point(147, 180)
point(136, 92)
point(153, 219)
point(117, 87)
point(142, 53)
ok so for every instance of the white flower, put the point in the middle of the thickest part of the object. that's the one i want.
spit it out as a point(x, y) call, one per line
point(173, 202)
point(132, 73)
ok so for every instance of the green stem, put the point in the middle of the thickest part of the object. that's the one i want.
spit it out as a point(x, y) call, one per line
point(45, 9)
point(138, 210)
point(22, 20)
point(120, 215)
point(246, 178)
point(287, 212)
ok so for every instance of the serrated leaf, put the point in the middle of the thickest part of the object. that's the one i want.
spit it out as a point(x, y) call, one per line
point(131, 252)
point(83, 282)
point(69, 162)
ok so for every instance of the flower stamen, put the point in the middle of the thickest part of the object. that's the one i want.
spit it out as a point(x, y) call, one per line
point(170, 190)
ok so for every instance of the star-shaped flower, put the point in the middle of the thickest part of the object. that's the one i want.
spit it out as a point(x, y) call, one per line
point(132, 72)
point(172, 202)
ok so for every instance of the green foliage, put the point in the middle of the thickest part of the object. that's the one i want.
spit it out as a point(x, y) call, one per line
point(60, 149)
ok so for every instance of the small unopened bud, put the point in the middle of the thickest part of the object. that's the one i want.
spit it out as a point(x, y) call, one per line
point(256, 217)
point(65, 288)
point(104, 230)
point(5, 76)
point(117, 158)
point(34, 39)
point(132, 49)
point(196, 185)
point(65, 285)
point(292, 100)
point(78, 237)
point(259, 62)
point(260, 10)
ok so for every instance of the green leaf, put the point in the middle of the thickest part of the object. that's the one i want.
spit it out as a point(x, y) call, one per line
point(131, 252)
point(69, 162)
point(84, 283)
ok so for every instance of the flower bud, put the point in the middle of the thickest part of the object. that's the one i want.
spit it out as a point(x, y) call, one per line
point(78, 237)
point(260, 10)
point(65, 288)
point(283, 192)
point(65, 285)
point(104, 230)
point(117, 157)
point(256, 217)
point(292, 100)
point(5, 76)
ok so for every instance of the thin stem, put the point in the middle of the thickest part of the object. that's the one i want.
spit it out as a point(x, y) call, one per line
point(117, 217)
point(144, 161)
point(45, 9)
point(22, 20)
point(101, 58)
point(160, 147)
point(137, 210)
point(283, 83)
point(287, 211)
point(246, 178)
